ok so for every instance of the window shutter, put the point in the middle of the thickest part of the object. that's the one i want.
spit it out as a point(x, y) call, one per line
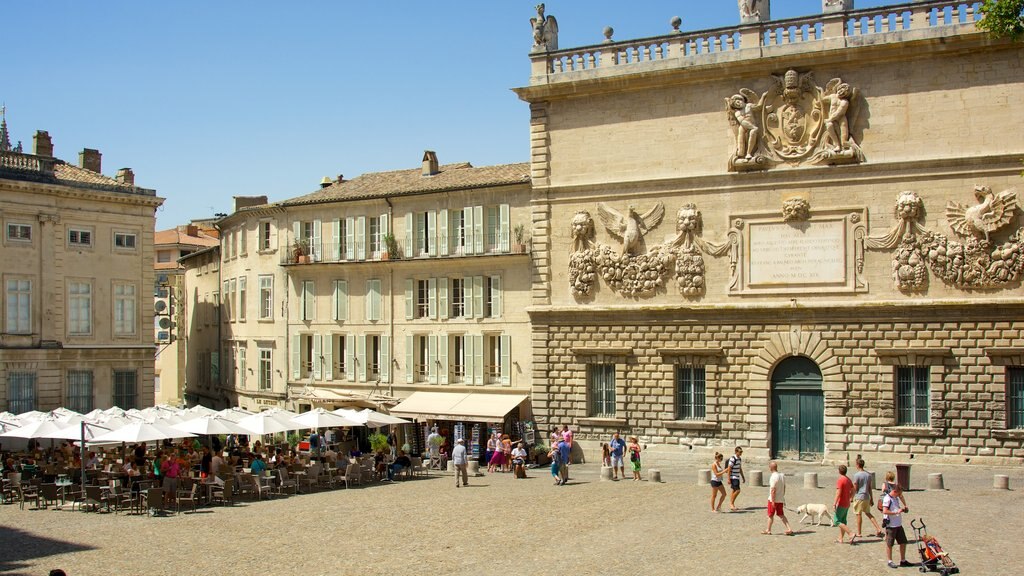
point(409, 303)
point(478, 230)
point(467, 297)
point(350, 357)
point(296, 356)
point(478, 359)
point(350, 238)
point(318, 352)
point(328, 344)
point(432, 298)
point(361, 238)
point(334, 302)
point(432, 358)
point(506, 359)
point(385, 359)
point(410, 220)
point(361, 356)
point(503, 230)
point(467, 230)
point(432, 233)
point(385, 226)
point(410, 356)
point(478, 296)
point(335, 240)
point(442, 233)
point(317, 249)
point(467, 359)
point(308, 300)
point(342, 300)
point(442, 359)
point(442, 298)
point(495, 296)
point(296, 232)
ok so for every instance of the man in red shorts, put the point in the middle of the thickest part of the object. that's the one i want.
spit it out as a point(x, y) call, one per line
point(777, 499)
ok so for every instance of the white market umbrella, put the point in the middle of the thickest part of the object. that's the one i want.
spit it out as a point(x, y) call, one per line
point(74, 431)
point(43, 428)
point(5, 426)
point(234, 414)
point(267, 423)
point(31, 415)
point(320, 418)
point(114, 411)
point(210, 425)
point(137, 432)
point(376, 419)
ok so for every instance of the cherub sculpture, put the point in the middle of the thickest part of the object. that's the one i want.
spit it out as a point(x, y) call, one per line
point(992, 212)
point(545, 31)
point(836, 100)
point(743, 107)
point(630, 227)
point(582, 231)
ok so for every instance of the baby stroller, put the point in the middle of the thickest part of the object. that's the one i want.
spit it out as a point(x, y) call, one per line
point(933, 558)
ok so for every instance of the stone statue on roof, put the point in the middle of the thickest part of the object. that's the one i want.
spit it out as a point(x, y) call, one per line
point(545, 31)
point(753, 11)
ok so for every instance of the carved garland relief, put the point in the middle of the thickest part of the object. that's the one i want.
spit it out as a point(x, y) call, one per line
point(794, 122)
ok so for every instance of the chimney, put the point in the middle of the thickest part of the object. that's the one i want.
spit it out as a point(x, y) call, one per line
point(125, 176)
point(246, 201)
point(325, 182)
point(429, 163)
point(191, 230)
point(42, 144)
point(90, 160)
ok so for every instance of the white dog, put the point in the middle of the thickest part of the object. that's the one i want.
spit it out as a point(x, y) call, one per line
point(818, 510)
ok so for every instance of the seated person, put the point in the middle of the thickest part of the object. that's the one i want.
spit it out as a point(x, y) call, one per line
point(401, 463)
point(379, 464)
point(519, 460)
point(258, 466)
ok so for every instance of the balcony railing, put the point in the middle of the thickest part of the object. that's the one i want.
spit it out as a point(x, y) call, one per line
point(695, 48)
point(320, 252)
point(26, 163)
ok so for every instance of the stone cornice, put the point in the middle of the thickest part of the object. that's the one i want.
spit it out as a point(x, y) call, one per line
point(602, 351)
point(932, 352)
point(82, 192)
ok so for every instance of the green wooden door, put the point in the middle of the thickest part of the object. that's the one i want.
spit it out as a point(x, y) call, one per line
point(798, 410)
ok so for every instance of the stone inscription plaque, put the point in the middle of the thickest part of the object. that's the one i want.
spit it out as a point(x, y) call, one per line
point(809, 253)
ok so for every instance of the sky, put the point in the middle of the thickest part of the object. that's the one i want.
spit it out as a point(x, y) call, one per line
point(210, 100)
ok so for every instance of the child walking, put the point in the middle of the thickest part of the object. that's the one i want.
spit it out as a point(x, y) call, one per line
point(634, 457)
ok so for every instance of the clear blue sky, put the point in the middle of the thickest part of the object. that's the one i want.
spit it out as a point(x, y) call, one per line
point(208, 100)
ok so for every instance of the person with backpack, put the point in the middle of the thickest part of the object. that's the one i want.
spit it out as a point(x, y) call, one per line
point(734, 469)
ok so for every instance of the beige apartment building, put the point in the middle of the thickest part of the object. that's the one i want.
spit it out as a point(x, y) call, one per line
point(169, 326)
point(76, 262)
point(802, 237)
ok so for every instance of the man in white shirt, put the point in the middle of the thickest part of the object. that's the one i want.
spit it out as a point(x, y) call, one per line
point(460, 462)
point(893, 509)
point(777, 499)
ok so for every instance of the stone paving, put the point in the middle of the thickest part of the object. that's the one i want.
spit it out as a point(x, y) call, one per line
point(499, 525)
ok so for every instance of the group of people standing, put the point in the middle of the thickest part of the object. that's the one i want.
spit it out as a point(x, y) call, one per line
point(613, 455)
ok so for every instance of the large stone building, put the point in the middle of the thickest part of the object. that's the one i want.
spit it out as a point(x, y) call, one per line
point(375, 288)
point(797, 236)
point(76, 262)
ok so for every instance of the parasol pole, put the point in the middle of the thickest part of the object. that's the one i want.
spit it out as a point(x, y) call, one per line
point(82, 424)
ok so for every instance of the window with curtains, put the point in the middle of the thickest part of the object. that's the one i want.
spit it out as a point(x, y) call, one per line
point(79, 396)
point(913, 396)
point(601, 389)
point(21, 392)
point(690, 398)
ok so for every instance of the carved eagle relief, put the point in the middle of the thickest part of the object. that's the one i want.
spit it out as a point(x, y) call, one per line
point(630, 227)
point(992, 212)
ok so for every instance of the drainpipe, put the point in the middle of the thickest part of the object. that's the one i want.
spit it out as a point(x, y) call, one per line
point(391, 291)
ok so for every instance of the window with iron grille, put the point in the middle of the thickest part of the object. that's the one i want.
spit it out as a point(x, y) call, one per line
point(80, 391)
point(601, 385)
point(690, 394)
point(125, 388)
point(21, 392)
point(1015, 397)
point(912, 396)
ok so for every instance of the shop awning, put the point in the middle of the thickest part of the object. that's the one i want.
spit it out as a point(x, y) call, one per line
point(315, 395)
point(471, 406)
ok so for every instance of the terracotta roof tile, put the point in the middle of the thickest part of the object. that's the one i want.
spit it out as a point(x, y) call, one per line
point(401, 182)
point(175, 236)
point(72, 173)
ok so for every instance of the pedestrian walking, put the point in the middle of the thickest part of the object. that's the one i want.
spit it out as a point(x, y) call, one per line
point(776, 497)
point(460, 462)
point(863, 498)
point(556, 460)
point(735, 471)
point(617, 447)
point(894, 508)
point(634, 458)
point(564, 453)
point(717, 470)
point(844, 494)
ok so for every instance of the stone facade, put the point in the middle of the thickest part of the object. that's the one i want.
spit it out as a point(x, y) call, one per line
point(791, 254)
point(76, 261)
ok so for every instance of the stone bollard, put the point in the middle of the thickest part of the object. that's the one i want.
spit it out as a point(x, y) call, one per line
point(606, 473)
point(756, 478)
point(451, 466)
point(1001, 482)
point(810, 480)
point(703, 477)
point(935, 481)
point(654, 475)
point(474, 468)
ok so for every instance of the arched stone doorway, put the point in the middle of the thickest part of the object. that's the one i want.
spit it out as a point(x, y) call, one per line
point(798, 410)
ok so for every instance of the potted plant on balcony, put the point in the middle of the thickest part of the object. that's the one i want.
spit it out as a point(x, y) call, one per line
point(520, 236)
point(301, 251)
point(390, 247)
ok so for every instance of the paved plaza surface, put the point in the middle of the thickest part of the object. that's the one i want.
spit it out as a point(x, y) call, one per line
point(499, 525)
